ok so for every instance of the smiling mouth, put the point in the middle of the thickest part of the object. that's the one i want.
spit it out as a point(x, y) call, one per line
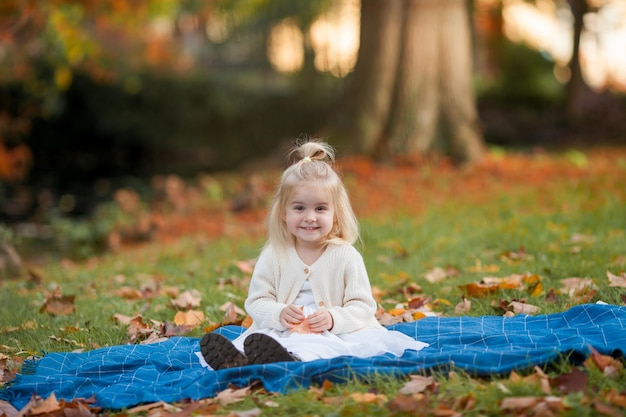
point(309, 228)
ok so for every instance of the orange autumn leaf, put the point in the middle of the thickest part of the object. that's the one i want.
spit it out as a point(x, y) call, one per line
point(418, 315)
point(616, 398)
point(511, 282)
point(129, 293)
point(247, 322)
point(301, 328)
point(477, 289)
point(396, 311)
point(189, 318)
point(368, 398)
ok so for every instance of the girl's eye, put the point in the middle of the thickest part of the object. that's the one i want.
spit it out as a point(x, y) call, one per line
point(321, 208)
point(297, 208)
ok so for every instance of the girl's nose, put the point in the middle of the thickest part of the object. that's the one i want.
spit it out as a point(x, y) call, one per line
point(310, 217)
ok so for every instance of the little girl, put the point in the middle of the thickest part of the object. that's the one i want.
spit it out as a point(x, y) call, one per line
point(309, 296)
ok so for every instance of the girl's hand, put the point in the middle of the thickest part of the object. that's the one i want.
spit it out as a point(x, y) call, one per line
point(320, 320)
point(291, 315)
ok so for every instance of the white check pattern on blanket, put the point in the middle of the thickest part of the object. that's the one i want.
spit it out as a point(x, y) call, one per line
point(124, 376)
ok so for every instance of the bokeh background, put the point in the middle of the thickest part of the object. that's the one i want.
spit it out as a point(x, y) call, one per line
point(101, 94)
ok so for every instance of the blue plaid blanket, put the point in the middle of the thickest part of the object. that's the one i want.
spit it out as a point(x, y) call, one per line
point(124, 376)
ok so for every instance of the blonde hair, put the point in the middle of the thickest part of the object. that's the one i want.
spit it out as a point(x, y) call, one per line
point(312, 161)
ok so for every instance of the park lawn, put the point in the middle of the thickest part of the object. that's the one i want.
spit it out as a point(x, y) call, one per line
point(430, 232)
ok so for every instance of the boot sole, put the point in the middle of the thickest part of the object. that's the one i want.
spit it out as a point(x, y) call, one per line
point(260, 348)
point(220, 353)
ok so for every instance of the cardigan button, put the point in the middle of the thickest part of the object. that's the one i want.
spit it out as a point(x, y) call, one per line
point(306, 270)
point(321, 304)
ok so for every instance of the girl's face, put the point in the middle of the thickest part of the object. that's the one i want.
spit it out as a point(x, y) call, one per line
point(310, 214)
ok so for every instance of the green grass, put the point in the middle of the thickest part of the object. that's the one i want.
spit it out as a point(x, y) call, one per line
point(455, 233)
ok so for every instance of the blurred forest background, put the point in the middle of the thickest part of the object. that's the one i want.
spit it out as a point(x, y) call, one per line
point(99, 94)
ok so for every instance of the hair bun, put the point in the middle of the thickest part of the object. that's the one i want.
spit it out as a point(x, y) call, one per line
point(311, 150)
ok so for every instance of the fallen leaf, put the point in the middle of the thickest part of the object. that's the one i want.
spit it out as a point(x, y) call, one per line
point(232, 395)
point(616, 398)
point(387, 319)
point(477, 289)
point(418, 384)
point(523, 308)
point(396, 311)
point(511, 282)
point(38, 405)
point(231, 312)
point(575, 381)
point(254, 412)
point(463, 307)
point(607, 410)
point(536, 406)
point(129, 293)
point(122, 319)
point(515, 256)
point(153, 408)
point(581, 238)
point(617, 280)
point(57, 304)
point(538, 378)
point(301, 328)
point(435, 275)
point(247, 267)
point(188, 300)
point(176, 330)
point(6, 409)
point(574, 286)
point(518, 403)
point(369, 398)
point(609, 366)
point(533, 284)
point(189, 318)
point(479, 267)
point(408, 404)
point(417, 302)
point(552, 296)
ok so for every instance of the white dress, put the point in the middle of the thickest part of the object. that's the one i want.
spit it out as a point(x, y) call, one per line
point(362, 343)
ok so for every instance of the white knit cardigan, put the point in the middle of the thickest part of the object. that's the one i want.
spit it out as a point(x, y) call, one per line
point(338, 279)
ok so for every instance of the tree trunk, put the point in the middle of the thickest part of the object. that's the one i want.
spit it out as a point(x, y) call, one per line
point(368, 99)
point(580, 97)
point(434, 104)
point(411, 89)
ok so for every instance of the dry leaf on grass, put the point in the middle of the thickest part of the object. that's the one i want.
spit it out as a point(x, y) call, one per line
point(189, 318)
point(609, 366)
point(519, 307)
point(463, 307)
point(187, 300)
point(575, 286)
point(418, 384)
point(232, 395)
point(57, 304)
point(617, 280)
